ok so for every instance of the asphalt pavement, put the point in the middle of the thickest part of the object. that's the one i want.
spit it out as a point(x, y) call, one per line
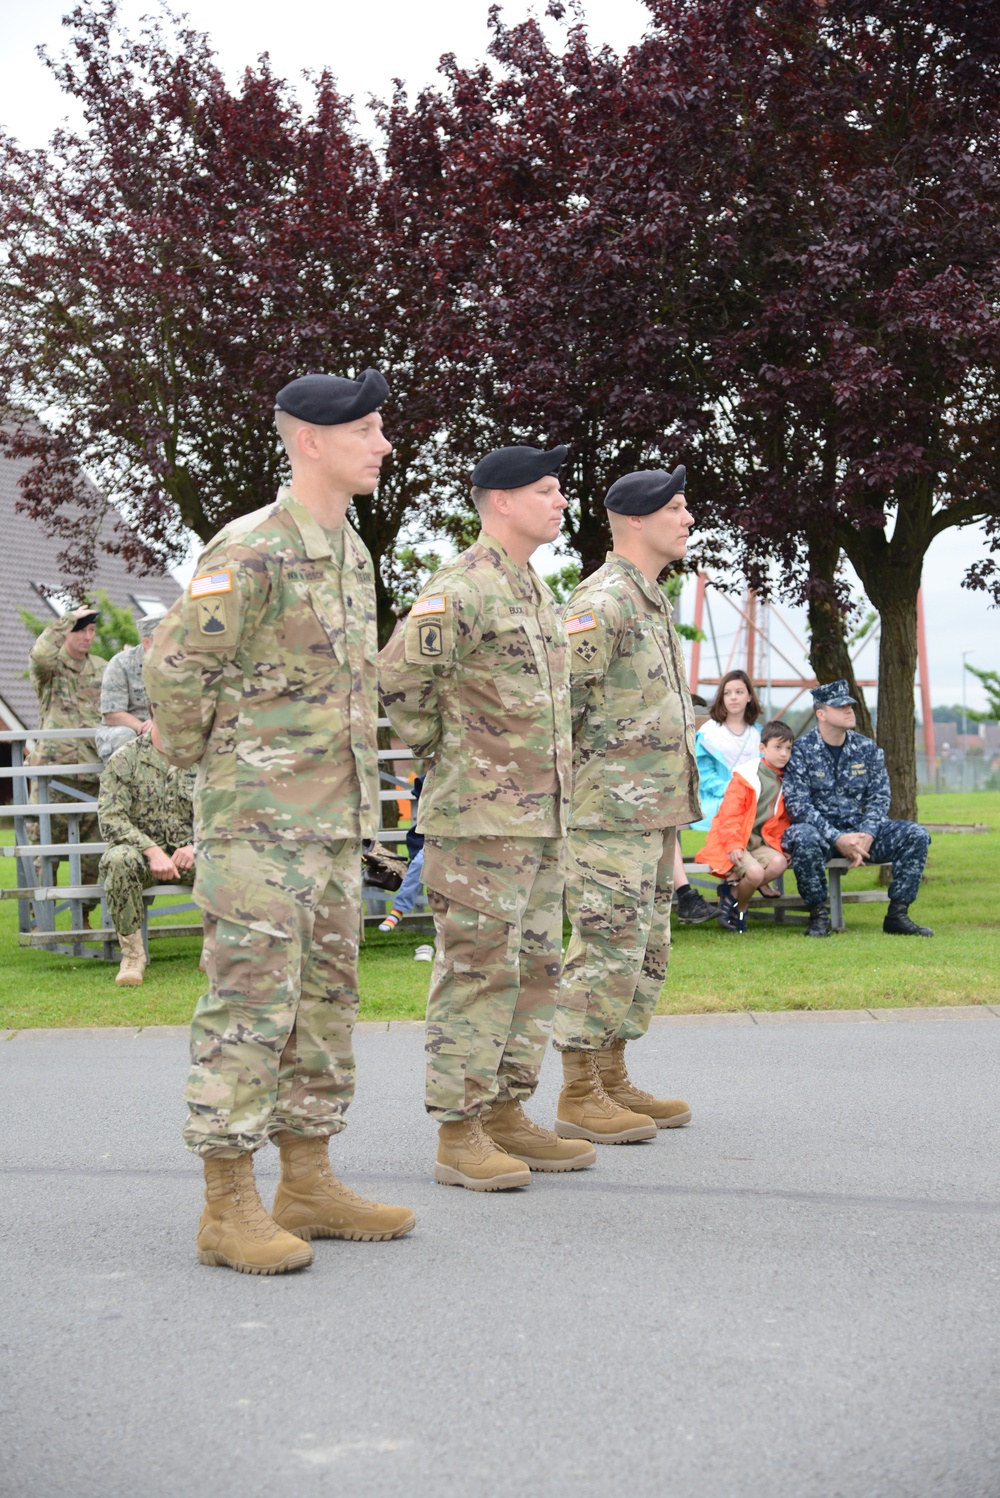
point(794, 1297)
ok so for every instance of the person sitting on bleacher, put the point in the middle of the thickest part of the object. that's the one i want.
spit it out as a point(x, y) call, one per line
point(147, 821)
point(836, 790)
point(123, 697)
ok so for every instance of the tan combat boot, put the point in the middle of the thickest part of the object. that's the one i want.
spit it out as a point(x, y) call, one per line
point(133, 963)
point(585, 1111)
point(467, 1156)
point(540, 1149)
point(235, 1230)
point(666, 1112)
point(311, 1203)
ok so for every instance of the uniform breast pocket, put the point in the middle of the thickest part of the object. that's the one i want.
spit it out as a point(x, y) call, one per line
point(513, 669)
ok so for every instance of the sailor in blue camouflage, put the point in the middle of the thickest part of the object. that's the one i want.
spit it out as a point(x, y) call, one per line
point(833, 790)
point(124, 696)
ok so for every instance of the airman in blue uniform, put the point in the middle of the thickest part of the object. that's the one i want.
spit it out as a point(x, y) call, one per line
point(836, 789)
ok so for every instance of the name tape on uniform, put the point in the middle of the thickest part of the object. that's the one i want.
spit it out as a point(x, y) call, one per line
point(212, 582)
point(579, 623)
point(434, 605)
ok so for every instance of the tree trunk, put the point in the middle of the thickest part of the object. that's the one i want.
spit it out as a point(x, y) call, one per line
point(828, 652)
point(897, 667)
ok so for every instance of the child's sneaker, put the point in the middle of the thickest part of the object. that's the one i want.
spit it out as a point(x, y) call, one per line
point(424, 954)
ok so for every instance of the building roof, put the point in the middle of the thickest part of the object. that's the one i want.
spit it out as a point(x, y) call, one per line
point(28, 559)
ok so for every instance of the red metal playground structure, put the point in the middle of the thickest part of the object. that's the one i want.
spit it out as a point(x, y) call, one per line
point(755, 650)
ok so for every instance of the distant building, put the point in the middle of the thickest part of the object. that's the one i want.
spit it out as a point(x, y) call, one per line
point(28, 567)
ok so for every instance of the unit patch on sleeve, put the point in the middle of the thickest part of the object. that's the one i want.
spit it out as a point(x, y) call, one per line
point(579, 623)
point(431, 640)
point(586, 650)
point(212, 582)
point(212, 617)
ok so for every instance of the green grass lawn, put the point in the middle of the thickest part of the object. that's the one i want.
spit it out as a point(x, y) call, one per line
point(710, 971)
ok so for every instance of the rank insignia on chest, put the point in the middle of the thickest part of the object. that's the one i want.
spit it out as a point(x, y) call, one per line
point(579, 623)
point(586, 650)
point(211, 616)
point(430, 639)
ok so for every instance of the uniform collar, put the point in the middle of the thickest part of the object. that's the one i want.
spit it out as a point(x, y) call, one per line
point(525, 580)
point(315, 541)
point(651, 591)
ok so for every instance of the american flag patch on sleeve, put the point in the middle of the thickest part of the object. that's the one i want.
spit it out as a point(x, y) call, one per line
point(580, 622)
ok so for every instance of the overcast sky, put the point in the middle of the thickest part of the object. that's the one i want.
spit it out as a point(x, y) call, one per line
point(366, 46)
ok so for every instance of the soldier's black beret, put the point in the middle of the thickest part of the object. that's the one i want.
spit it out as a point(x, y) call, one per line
point(833, 694)
point(327, 400)
point(645, 493)
point(510, 467)
point(84, 617)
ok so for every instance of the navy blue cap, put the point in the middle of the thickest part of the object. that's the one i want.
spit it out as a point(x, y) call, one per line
point(510, 467)
point(833, 694)
point(645, 493)
point(327, 400)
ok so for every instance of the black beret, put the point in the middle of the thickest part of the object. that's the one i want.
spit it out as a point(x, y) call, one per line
point(510, 467)
point(327, 400)
point(644, 493)
point(84, 617)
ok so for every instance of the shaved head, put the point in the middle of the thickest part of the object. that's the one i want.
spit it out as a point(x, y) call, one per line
point(287, 426)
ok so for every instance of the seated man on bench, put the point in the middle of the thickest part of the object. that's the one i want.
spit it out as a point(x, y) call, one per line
point(147, 821)
point(836, 791)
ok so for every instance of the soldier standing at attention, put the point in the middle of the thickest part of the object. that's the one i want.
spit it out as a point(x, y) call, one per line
point(263, 674)
point(475, 681)
point(147, 822)
point(837, 792)
point(123, 697)
point(67, 682)
point(635, 782)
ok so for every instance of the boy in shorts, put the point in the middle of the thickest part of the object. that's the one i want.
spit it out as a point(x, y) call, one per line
point(743, 847)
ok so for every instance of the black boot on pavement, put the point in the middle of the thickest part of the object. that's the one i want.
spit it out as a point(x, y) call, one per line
point(898, 923)
point(692, 908)
point(819, 921)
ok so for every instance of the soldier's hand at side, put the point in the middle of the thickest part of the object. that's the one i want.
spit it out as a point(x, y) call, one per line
point(184, 857)
point(146, 726)
point(159, 864)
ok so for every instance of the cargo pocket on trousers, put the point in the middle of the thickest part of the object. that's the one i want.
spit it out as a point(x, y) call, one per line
point(604, 910)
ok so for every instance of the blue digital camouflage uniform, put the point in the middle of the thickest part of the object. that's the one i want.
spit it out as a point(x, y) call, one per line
point(827, 797)
point(122, 691)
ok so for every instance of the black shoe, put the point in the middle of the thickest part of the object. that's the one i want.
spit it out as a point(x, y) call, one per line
point(734, 922)
point(819, 921)
point(897, 922)
point(692, 908)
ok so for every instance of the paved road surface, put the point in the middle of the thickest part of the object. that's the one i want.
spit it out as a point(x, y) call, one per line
point(795, 1297)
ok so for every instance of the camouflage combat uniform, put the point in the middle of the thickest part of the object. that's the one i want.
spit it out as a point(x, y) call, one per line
point(69, 696)
point(263, 674)
point(827, 796)
point(122, 691)
point(635, 782)
point(143, 801)
point(475, 681)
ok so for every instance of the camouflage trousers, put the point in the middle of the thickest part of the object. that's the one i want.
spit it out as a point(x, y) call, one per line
point(903, 844)
point(618, 891)
point(271, 1040)
point(497, 906)
point(125, 873)
point(90, 831)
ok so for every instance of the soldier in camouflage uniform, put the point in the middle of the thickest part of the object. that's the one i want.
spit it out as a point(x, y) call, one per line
point(635, 782)
point(837, 792)
point(263, 674)
point(475, 681)
point(123, 696)
point(147, 823)
point(67, 681)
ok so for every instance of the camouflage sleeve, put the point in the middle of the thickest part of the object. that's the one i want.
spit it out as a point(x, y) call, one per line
point(114, 687)
point(195, 643)
point(443, 626)
point(114, 806)
point(795, 788)
point(877, 797)
point(44, 656)
point(594, 627)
